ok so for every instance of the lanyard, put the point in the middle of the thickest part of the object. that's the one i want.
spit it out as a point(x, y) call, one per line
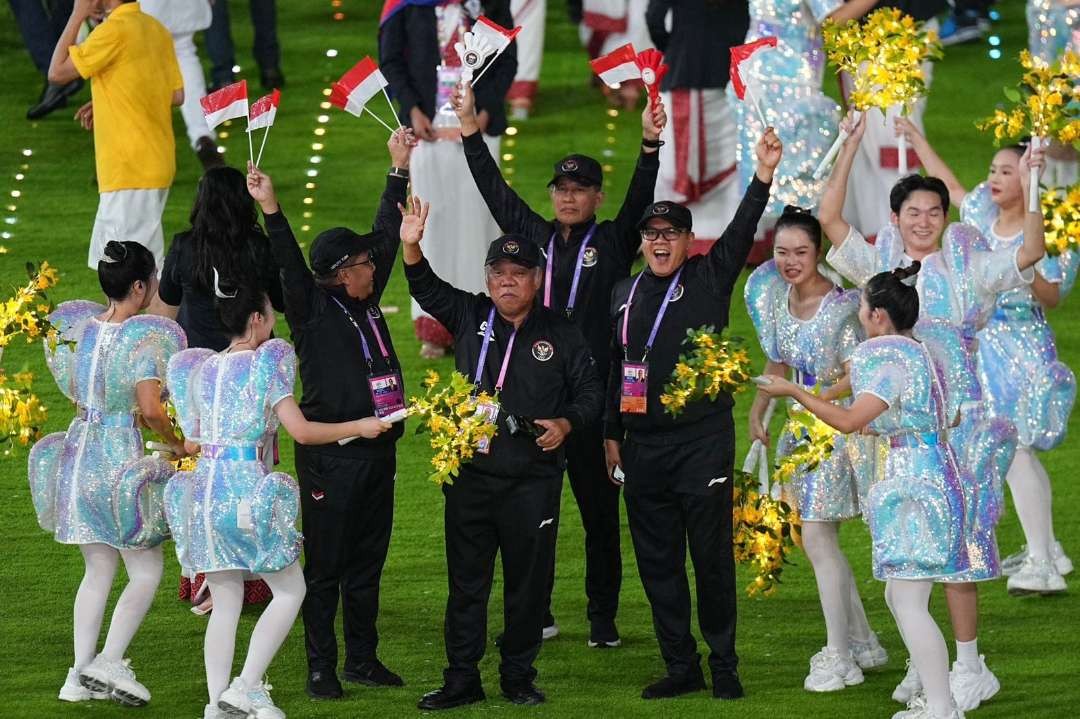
point(363, 340)
point(484, 350)
point(659, 315)
point(577, 270)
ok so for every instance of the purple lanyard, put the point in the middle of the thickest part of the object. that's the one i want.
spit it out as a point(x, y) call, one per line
point(363, 340)
point(484, 350)
point(577, 270)
point(659, 315)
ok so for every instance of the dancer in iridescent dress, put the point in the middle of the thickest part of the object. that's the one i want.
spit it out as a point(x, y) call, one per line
point(1019, 369)
point(915, 508)
point(232, 515)
point(957, 286)
point(808, 324)
point(92, 485)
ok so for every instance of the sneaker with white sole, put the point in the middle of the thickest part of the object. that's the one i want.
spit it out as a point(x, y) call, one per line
point(909, 687)
point(831, 671)
point(262, 706)
point(210, 711)
point(550, 631)
point(1036, 576)
point(1012, 563)
point(115, 678)
point(972, 687)
point(235, 701)
point(917, 708)
point(73, 691)
point(868, 653)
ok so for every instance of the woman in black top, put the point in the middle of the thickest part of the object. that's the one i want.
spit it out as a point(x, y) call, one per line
point(225, 235)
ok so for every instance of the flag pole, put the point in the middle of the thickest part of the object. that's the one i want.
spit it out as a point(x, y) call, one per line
point(259, 158)
point(757, 107)
point(485, 67)
point(393, 112)
point(251, 148)
point(381, 121)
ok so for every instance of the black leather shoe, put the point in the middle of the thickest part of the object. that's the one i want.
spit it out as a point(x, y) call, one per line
point(272, 79)
point(524, 694)
point(323, 685)
point(448, 697)
point(207, 151)
point(53, 97)
point(674, 686)
point(726, 685)
point(372, 674)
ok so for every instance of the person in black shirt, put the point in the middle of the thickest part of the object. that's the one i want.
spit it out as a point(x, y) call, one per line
point(224, 234)
point(598, 254)
point(506, 500)
point(678, 470)
point(346, 491)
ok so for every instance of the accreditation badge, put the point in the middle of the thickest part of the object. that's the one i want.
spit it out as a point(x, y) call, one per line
point(488, 412)
point(635, 385)
point(387, 393)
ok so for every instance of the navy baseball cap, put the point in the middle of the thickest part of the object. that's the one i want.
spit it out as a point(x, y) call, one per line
point(332, 248)
point(582, 169)
point(673, 212)
point(514, 248)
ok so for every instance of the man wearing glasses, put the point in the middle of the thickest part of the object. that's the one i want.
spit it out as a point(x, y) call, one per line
point(679, 470)
point(348, 369)
point(584, 258)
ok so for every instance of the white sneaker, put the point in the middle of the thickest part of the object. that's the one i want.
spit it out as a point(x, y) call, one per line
point(116, 679)
point(918, 709)
point(262, 706)
point(831, 672)
point(550, 632)
point(1062, 562)
point(1011, 564)
point(1036, 577)
point(212, 712)
point(971, 688)
point(73, 691)
point(235, 701)
point(909, 687)
point(869, 653)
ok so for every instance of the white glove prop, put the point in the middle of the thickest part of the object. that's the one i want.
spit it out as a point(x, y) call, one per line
point(473, 51)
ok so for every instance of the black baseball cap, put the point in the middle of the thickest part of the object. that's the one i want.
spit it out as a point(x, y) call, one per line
point(332, 248)
point(579, 168)
point(673, 212)
point(514, 248)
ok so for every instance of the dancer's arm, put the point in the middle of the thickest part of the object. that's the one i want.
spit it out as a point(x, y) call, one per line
point(935, 166)
point(860, 413)
point(831, 209)
point(306, 432)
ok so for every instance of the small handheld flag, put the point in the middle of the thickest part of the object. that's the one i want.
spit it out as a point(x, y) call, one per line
point(361, 83)
point(227, 103)
point(651, 64)
point(486, 34)
point(617, 66)
point(262, 114)
point(739, 55)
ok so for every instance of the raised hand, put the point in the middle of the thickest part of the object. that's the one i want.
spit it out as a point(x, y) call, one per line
point(400, 144)
point(413, 219)
point(906, 127)
point(261, 189)
point(769, 150)
point(1031, 159)
point(653, 120)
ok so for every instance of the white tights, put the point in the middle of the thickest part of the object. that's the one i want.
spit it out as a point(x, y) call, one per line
point(840, 602)
point(909, 602)
point(144, 573)
point(227, 589)
point(1030, 487)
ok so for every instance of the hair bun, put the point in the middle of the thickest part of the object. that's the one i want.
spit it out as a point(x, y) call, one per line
point(907, 275)
point(795, 210)
point(115, 251)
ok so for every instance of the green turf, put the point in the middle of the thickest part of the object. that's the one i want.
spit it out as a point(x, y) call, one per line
point(1029, 643)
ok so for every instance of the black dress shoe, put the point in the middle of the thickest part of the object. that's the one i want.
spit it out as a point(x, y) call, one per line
point(323, 685)
point(207, 151)
point(272, 79)
point(53, 97)
point(372, 674)
point(524, 694)
point(450, 696)
point(671, 686)
point(726, 685)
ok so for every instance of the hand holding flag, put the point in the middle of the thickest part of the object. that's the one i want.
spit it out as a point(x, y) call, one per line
point(739, 55)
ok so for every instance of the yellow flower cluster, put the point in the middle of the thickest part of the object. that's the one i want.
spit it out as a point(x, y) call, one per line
point(21, 413)
point(1043, 102)
point(457, 428)
point(814, 441)
point(1061, 210)
point(883, 54)
point(716, 364)
point(26, 313)
point(765, 532)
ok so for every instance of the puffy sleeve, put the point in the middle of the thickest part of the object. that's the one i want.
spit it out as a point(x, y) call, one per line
point(856, 259)
point(878, 368)
point(847, 332)
point(1060, 269)
point(181, 379)
point(275, 370)
point(760, 297)
point(990, 271)
point(152, 340)
point(69, 318)
point(822, 9)
point(978, 208)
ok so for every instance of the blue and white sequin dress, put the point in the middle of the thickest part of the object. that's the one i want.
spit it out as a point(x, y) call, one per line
point(915, 507)
point(231, 512)
point(816, 349)
point(957, 286)
point(787, 82)
point(1018, 362)
point(94, 483)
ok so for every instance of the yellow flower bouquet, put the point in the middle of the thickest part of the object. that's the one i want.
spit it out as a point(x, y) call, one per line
point(21, 413)
point(450, 414)
point(765, 530)
point(717, 363)
point(1061, 213)
point(814, 443)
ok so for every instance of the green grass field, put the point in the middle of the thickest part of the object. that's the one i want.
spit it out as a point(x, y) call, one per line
point(1030, 644)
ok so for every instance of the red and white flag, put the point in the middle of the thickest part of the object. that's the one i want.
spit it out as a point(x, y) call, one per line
point(357, 86)
point(264, 111)
point(228, 103)
point(496, 35)
point(618, 66)
point(742, 53)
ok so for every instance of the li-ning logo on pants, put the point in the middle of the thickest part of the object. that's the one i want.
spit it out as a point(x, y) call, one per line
point(716, 480)
point(546, 522)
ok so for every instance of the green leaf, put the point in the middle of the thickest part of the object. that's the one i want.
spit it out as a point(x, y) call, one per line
point(1012, 94)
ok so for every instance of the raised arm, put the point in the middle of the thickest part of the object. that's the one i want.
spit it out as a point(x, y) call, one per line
point(851, 10)
point(62, 69)
point(643, 184)
point(1034, 246)
point(388, 217)
point(449, 305)
point(831, 209)
point(935, 166)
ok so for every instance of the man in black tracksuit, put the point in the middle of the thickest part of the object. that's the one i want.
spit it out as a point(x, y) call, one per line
point(678, 471)
point(346, 491)
point(538, 365)
point(600, 253)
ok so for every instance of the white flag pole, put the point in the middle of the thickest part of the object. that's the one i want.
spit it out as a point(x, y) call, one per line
point(826, 162)
point(493, 59)
point(381, 121)
point(393, 112)
point(901, 149)
point(247, 120)
point(1033, 178)
point(261, 146)
point(752, 96)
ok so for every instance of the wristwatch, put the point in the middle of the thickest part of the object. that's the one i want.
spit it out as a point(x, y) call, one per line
point(402, 172)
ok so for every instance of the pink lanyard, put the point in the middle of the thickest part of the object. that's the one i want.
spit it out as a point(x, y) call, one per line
point(488, 331)
point(363, 340)
point(659, 315)
point(577, 270)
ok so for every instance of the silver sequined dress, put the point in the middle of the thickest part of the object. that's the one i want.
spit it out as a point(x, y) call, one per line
point(94, 483)
point(957, 286)
point(231, 512)
point(816, 349)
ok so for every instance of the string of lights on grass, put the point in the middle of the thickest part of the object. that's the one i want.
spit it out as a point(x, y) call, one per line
point(12, 197)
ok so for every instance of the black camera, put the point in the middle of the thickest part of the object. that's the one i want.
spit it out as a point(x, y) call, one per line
point(519, 426)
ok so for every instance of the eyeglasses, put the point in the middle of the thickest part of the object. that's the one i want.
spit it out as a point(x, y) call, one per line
point(670, 234)
point(572, 192)
point(368, 261)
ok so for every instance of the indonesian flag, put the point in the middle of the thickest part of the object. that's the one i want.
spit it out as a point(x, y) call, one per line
point(227, 103)
point(357, 86)
point(263, 111)
point(618, 66)
point(496, 35)
point(742, 53)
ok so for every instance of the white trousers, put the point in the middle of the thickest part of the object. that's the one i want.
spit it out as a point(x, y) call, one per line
point(529, 14)
point(194, 87)
point(129, 215)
